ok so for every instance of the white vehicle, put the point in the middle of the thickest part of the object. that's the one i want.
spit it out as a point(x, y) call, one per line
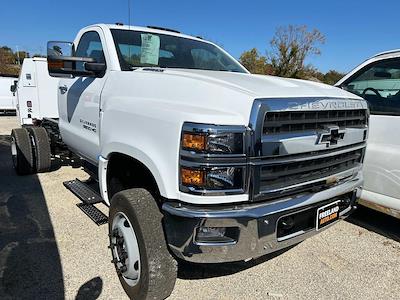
point(36, 91)
point(197, 159)
point(377, 80)
point(7, 97)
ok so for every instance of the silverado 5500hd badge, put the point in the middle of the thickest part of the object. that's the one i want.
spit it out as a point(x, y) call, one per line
point(88, 125)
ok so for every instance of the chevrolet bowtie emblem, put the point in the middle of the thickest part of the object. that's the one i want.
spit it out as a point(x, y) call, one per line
point(330, 135)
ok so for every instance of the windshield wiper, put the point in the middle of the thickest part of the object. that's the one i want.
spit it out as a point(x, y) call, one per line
point(133, 68)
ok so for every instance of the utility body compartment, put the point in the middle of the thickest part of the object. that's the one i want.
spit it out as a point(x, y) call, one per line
point(36, 92)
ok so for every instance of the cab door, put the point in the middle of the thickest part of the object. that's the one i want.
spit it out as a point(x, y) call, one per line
point(379, 84)
point(79, 100)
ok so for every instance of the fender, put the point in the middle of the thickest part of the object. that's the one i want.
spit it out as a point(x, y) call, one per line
point(135, 154)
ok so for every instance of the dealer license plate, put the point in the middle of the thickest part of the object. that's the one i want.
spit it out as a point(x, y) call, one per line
point(327, 214)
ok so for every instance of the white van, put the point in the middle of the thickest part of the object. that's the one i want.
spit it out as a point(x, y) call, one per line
point(377, 80)
point(36, 92)
point(7, 97)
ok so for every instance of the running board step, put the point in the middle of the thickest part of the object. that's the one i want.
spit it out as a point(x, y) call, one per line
point(83, 191)
point(93, 213)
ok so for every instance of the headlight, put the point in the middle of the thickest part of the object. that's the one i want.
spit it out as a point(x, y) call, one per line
point(214, 178)
point(213, 159)
point(212, 140)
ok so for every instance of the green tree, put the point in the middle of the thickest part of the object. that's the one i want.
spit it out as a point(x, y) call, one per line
point(332, 77)
point(6, 56)
point(255, 63)
point(290, 47)
point(7, 62)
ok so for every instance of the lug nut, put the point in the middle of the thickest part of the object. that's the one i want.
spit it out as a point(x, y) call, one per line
point(123, 269)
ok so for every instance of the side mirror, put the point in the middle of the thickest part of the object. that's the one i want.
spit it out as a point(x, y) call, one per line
point(61, 62)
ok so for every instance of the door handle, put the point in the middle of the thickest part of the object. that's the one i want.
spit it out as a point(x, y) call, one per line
point(63, 89)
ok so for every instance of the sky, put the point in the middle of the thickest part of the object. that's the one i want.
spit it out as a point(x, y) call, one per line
point(354, 30)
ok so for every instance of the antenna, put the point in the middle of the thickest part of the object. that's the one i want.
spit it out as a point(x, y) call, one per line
point(129, 13)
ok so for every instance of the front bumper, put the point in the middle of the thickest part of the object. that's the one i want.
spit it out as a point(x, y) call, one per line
point(256, 230)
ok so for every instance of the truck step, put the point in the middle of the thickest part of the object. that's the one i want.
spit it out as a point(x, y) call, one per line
point(83, 191)
point(93, 213)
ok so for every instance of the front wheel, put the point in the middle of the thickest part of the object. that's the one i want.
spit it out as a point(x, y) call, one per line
point(145, 268)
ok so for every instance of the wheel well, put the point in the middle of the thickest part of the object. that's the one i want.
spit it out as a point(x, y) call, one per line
point(125, 172)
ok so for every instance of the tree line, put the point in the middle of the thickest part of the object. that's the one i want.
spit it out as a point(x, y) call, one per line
point(289, 48)
point(10, 61)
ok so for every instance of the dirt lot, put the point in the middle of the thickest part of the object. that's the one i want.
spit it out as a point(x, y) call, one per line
point(50, 249)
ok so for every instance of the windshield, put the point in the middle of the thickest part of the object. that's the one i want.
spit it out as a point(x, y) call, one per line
point(143, 49)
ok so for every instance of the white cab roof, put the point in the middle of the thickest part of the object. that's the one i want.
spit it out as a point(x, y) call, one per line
point(146, 29)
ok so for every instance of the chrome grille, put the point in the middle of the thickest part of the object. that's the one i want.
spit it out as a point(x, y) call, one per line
point(288, 157)
point(277, 177)
point(276, 122)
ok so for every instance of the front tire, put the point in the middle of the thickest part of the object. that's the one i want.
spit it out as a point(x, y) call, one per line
point(145, 268)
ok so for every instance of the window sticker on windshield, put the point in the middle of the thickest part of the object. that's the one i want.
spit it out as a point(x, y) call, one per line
point(150, 49)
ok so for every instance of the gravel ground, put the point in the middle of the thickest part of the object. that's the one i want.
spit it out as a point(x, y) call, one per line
point(50, 249)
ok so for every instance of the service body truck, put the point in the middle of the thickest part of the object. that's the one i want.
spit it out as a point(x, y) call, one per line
point(35, 92)
point(7, 95)
point(197, 159)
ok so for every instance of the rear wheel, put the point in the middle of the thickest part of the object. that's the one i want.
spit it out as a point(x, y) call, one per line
point(145, 268)
point(22, 152)
point(42, 149)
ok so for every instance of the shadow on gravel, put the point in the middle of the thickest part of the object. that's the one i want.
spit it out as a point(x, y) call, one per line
point(64, 160)
point(90, 290)
point(377, 222)
point(30, 266)
point(189, 271)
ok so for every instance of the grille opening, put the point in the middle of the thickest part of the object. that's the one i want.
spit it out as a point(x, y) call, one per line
point(285, 122)
point(280, 176)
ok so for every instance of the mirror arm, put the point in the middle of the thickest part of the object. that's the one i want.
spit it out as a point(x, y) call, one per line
point(95, 67)
point(72, 59)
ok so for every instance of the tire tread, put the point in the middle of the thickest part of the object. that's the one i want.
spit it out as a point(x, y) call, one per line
point(42, 149)
point(162, 270)
point(25, 163)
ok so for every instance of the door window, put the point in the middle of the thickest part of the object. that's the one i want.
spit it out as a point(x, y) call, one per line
point(90, 46)
point(379, 84)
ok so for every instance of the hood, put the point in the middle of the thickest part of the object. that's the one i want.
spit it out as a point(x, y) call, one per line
point(264, 86)
point(198, 96)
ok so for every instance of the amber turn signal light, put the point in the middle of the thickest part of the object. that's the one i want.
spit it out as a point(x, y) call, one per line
point(192, 177)
point(193, 141)
point(55, 64)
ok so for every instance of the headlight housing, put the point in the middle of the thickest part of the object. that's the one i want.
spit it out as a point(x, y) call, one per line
point(213, 139)
point(216, 143)
point(213, 159)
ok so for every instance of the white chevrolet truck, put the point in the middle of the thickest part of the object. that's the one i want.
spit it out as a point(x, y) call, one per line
point(197, 159)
